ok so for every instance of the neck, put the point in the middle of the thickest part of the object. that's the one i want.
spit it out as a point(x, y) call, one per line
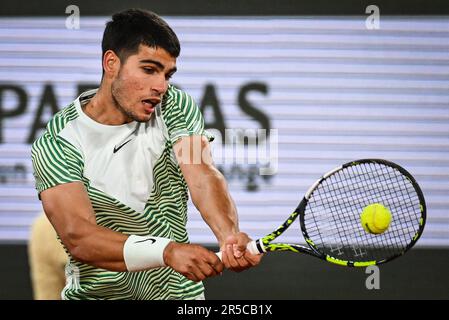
point(102, 109)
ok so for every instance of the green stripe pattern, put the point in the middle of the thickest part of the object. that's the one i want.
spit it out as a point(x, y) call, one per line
point(182, 116)
point(57, 161)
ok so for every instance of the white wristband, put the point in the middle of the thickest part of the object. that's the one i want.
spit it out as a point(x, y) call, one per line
point(143, 253)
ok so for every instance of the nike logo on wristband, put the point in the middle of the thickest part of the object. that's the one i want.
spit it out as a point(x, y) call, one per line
point(117, 149)
point(149, 239)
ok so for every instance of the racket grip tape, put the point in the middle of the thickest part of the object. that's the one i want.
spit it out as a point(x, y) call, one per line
point(251, 247)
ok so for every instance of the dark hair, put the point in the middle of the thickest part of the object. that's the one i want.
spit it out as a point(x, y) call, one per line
point(130, 28)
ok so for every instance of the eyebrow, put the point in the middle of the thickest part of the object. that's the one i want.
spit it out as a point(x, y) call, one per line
point(158, 64)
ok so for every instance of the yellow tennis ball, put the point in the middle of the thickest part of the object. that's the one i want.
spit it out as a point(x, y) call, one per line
point(375, 218)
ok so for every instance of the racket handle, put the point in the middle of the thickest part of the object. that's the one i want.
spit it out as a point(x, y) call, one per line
point(251, 247)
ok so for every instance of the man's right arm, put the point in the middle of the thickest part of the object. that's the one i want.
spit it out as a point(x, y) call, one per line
point(70, 211)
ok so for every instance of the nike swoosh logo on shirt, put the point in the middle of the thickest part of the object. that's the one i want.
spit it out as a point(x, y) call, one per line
point(149, 239)
point(118, 148)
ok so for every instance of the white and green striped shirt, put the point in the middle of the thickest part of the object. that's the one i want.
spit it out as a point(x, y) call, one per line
point(134, 183)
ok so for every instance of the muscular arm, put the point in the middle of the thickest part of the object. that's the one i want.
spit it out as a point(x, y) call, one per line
point(207, 186)
point(211, 197)
point(70, 211)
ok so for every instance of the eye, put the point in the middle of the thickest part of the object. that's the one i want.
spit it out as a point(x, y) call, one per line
point(168, 76)
point(149, 70)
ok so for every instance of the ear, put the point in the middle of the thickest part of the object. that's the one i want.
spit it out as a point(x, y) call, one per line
point(111, 63)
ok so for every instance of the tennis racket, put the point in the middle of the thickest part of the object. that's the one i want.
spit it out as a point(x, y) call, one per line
point(329, 215)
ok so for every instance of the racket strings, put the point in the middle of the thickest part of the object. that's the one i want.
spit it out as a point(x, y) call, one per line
point(396, 188)
point(378, 182)
point(332, 216)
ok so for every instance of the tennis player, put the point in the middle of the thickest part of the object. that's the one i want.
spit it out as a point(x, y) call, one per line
point(112, 174)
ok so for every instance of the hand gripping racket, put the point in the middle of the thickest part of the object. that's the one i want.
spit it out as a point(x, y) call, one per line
point(329, 215)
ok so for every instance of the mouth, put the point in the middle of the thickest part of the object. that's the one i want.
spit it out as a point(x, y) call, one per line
point(150, 104)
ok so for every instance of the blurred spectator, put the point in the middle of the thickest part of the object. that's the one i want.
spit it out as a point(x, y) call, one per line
point(47, 260)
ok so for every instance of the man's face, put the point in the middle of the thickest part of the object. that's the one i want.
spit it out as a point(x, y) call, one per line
point(142, 81)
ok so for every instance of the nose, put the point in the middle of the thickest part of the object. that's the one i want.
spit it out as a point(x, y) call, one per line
point(160, 85)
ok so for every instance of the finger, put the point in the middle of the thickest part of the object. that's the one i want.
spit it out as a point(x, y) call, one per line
point(202, 270)
point(228, 259)
point(208, 262)
point(239, 241)
point(191, 276)
point(230, 255)
point(235, 263)
point(253, 259)
point(207, 270)
point(240, 246)
point(238, 250)
point(215, 263)
point(225, 257)
point(246, 261)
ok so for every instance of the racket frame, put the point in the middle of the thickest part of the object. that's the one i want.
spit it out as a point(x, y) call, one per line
point(265, 244)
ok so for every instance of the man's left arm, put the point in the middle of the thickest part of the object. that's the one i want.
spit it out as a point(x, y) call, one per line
point(210, 195)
